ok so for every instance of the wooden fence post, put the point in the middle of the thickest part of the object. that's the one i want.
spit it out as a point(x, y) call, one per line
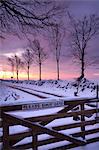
point(6, 145)
point(34, 141)
point(97, 103)
point(97, 90)
point(82, 119)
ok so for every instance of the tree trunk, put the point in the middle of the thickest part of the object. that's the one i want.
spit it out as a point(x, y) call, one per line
point(17, 75)
point(28, 73)
point(82, 67)
point(13, 71)
point(40, 71)
point(58, 70)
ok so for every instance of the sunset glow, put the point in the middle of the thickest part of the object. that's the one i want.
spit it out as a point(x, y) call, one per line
point(12, 44)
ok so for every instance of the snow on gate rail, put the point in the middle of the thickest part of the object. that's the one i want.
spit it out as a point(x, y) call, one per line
point(42, 104)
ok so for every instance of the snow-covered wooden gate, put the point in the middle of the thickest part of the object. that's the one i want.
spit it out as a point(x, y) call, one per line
point(38, 125)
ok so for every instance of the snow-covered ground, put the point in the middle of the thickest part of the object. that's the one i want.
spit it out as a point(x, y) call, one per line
point(11, 96)
point(61, 88)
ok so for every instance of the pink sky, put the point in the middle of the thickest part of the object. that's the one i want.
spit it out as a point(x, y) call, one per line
point(68, 70)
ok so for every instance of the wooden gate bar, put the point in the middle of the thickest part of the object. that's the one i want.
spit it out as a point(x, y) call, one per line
point(19, 136)
point(61, 115)
point(74, 125)
point(38, 127)
point(53, 140)
point(85, 132)
point(64, 110)
point(82, 119)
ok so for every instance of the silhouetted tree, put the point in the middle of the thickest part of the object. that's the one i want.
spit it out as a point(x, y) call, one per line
point(39, 54)
point(17, 62)
point(82, 31)
point(27, 60)
point(57, 35)
point(18, 65)
point(11, 62)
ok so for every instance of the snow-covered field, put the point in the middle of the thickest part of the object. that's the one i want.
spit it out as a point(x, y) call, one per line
point(63, 90)
point(12, 96)
point(60, 88)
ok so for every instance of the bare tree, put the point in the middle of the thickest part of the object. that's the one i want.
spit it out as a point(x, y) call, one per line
point(17, 64)
point(22, 14)
point(28, 60)
point(39, 55)
point(11, 61)
point(82, 32)
point(57, 35)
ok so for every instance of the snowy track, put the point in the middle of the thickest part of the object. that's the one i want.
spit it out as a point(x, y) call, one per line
point(26, 91)
point(40, 94)
point(45, 92)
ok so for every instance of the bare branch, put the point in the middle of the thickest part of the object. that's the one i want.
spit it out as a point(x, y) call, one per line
point(39, 54)
point(82, 32)
point(27, 60)
point(28, 14)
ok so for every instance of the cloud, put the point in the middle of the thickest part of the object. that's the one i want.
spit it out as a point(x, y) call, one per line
point(17, 51)
point(96, 74)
